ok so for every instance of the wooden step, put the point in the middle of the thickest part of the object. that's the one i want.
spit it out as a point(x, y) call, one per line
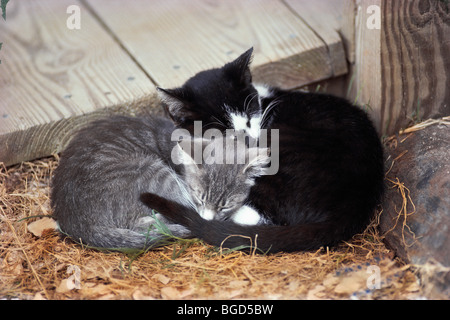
point(53, 79)
point(172, 40)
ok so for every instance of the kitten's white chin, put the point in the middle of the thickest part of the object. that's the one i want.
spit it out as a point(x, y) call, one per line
point(252, 127)
point(255, 127)
point(207, 214)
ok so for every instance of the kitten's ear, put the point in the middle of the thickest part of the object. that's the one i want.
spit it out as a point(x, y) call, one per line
point(184, 154)
point(239, 69)
point(259, 159)
point(171, 96)
point(176, 101)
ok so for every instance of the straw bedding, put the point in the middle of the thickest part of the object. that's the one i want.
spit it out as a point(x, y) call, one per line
point(50, 266)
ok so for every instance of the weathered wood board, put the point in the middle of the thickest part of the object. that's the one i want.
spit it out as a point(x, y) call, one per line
point(402, 69)
point(415, 59)
point(331, 21)
point(174, 39)
point(53, 79)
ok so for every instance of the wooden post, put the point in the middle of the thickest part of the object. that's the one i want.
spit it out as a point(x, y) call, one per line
point(402, 69)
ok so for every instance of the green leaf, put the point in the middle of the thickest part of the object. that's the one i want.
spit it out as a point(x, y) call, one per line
point(3, 6)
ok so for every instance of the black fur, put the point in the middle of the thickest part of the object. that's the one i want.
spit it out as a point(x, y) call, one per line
point(331, 173)
point(267, 238)
point(203, 96)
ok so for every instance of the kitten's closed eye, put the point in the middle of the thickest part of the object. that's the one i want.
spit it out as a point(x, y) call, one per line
point(227, 208)
point(231, 204)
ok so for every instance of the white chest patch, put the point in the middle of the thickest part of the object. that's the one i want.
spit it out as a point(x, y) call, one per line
point(207, 214)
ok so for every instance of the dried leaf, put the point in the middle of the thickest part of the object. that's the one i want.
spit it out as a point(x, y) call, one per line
point(109, 296)
point(139, 295)
point(237, 284)
point(101, 290)
point(186, 292)
point(161, 278)
point(354, 282)
point(316, 293)
point(170, 293)
point(414, 287)
point(330, 281)
point(39, 296)
point(235, 293)
point(65, 286)
point(38, 227)
point(18, 270)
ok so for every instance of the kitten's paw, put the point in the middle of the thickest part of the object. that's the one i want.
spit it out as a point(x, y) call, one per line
point(247, 216)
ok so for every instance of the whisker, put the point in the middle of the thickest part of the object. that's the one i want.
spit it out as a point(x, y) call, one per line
point(266, 112)
point(218, 120)
point(182, 185)
point(271, 106)
point(214, 123)
point(247, 104)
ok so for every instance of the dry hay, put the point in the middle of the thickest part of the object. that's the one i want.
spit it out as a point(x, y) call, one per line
point(54, 267)
point(425, 124)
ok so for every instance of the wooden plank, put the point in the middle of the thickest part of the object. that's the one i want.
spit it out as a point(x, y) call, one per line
point(403, 68)
point(174, 39)
point(54, 79)
point(325, 18)
point(415, 60)
point(367, 70)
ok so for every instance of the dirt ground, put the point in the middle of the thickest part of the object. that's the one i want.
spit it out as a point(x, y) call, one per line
point(41, 264)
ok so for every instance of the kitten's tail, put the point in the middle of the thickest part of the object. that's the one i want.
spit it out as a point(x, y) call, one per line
point(267, 238)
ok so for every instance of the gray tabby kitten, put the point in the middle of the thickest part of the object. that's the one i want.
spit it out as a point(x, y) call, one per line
point(110, 163)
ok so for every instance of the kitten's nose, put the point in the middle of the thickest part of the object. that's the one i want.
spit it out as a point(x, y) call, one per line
point(207, 214)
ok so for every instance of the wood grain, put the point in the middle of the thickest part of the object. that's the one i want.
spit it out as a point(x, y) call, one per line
point(366, 72)
point(415, 60)
point(325, 17)
point(53, 79)
point(174, 39)
point(402, 71)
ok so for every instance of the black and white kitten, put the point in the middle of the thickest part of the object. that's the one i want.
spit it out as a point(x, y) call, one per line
point(221, 98)
point(330, 176)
